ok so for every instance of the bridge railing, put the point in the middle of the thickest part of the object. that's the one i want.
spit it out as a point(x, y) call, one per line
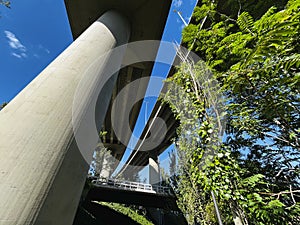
point(132, 186)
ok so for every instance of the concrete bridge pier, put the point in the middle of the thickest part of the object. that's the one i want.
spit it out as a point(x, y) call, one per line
point(154, 170)
point(42, 171)
point(154, 178)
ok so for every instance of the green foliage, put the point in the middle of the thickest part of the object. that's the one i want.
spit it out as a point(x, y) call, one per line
point(204, 163)
point(103, 162)
point(127, 211)
point(3, 105)
point(264, 88)
point(245, 22)
point(255, 172)
point(5, 3)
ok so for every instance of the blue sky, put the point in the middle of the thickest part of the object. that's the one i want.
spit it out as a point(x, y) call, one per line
point(34, 32)
point(172, 33)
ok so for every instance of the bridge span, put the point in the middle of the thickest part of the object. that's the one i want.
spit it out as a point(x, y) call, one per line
point(42, 167)
point(127, 192)
point(158, 200)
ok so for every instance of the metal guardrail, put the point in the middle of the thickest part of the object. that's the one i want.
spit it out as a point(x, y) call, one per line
point(131, 186)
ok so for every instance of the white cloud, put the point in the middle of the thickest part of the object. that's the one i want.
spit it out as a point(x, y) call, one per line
point(16, 45)
point(177, 3)
point(41, 47)
point(16, 55)
point(24, 55)
point(14, 42)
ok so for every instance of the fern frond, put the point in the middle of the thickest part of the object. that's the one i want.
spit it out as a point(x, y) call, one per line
point(288, 62)
point(263, 24)
point(245, 22)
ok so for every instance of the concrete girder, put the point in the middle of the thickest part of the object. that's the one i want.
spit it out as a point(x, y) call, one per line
point(140, 159)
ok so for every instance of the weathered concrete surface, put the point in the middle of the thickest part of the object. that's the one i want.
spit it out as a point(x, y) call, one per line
point(42, 172)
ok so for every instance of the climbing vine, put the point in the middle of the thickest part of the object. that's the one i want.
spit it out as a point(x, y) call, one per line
point(254, 169)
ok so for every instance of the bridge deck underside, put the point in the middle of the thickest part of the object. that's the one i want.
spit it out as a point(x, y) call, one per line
point(147, 19)
point(110, 140)
point(139, 159)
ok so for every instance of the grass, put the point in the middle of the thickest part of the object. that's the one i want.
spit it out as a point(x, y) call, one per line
point(127, 212)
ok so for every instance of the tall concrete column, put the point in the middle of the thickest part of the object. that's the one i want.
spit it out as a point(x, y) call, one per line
point(42, 171)
point(154, 172)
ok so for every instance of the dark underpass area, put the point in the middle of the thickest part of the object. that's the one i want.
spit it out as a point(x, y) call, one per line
point(96, 214)
point(159, 209)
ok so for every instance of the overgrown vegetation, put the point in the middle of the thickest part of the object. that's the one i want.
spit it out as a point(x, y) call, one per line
point(127, 211)
point(3, 105)
point(254, 170)
point(5, 3)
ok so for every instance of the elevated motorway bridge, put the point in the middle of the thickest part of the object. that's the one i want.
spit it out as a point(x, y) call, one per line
point(164, 131)
point(128, 192)
point(43, 170)
point(159, 201)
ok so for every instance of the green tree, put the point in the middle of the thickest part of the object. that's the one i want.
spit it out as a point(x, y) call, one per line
point(5, 3)
point(103, 161)
point(264, 112)
point(3, 105)
point(172, 163)
point(205, 164)
point(256, 60)
point(101, 164)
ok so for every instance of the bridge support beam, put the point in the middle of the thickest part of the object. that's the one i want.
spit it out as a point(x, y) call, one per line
point(154, 171)
point(42, 171)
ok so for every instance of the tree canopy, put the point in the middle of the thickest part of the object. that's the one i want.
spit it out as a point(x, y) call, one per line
point(252, 50)
point(5, 3)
